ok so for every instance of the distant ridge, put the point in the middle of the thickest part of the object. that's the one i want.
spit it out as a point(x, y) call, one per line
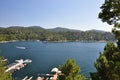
point(57, 34)
point(37, 27)
point(58, 29)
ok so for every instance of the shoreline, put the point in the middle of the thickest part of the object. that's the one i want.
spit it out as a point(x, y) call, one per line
point(84, 41)
point(9, 41)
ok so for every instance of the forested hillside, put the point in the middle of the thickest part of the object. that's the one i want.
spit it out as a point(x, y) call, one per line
point(39, 33)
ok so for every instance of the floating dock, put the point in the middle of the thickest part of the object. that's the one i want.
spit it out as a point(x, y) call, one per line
point(17, 65)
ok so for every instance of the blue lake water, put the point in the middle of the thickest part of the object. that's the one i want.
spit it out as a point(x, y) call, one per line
point(46, 56)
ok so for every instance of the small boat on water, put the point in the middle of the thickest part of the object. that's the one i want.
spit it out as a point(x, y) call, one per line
point(27, 61)
point(26, 78)
point(30, 78)
point(20, 47)
point(4, 60)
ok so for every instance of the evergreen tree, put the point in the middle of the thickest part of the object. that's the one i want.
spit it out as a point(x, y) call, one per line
point(70, 71)
point(108, 64)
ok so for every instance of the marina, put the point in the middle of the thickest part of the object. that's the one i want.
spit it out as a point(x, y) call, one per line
point(47, 56)
point(17, 65)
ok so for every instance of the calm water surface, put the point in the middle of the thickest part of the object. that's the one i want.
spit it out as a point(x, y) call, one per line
point(46, 56)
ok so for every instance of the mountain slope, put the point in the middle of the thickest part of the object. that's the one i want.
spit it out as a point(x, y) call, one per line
point(56, 34)
point(60, 29)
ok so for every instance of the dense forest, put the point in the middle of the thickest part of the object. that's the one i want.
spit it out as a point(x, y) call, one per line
point(56, 34)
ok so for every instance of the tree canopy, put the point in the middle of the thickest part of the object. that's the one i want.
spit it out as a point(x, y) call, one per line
point(110, 11)
point(108, 63)
point(70, 71)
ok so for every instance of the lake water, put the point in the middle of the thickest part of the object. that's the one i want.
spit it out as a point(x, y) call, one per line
point(46, 56)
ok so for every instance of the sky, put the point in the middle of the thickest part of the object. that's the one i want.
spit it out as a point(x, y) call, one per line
point(72, 14)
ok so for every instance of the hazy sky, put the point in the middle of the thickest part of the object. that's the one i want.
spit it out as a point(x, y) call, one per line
point(73, 14)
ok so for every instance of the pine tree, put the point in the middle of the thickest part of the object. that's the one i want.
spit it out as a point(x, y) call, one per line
point(70, 71)
point(108, 64)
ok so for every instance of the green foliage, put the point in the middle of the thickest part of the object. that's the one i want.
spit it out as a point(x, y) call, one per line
point(70, 71)
point(110, 12)
point(3, 75)
point(108, 64)
point(38, 33)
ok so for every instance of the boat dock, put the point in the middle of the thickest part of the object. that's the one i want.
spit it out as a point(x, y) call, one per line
point(17, 65)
